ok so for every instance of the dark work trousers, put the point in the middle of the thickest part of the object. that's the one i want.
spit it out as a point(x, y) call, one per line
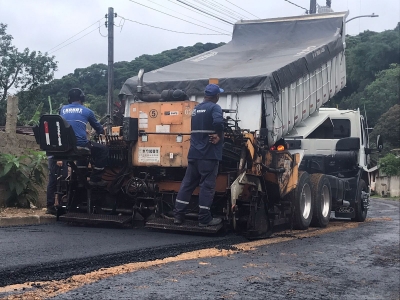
point(99, 155)
point(54, 172)
point(201, 173)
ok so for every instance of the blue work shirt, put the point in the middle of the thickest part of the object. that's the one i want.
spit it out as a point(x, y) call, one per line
point(78, 116)
point(206, 119)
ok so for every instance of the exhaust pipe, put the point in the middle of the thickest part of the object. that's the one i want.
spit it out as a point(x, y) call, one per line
point(140, 81)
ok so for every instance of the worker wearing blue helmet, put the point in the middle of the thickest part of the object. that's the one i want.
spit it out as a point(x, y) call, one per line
point(205, 152)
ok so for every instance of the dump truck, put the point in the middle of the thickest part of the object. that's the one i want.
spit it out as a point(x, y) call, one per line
point(287, 159)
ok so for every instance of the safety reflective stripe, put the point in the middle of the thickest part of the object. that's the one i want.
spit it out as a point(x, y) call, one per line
point(202, 131)
point(204, 207)
point(98, 168)
point(183, 202)
point(80, 121)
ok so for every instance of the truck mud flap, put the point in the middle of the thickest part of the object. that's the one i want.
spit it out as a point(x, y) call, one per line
point(187, 226)
point(95, 218)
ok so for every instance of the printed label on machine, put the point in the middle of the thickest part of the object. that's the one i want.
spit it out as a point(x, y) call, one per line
point(171, 113)
point(143, 120)
point(163, 128)
point(149, 155)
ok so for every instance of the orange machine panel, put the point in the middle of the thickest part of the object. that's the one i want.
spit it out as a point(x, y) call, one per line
point(171, 113)
point(164, 133)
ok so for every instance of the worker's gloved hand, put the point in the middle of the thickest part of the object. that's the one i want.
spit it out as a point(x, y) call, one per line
point(214, 138)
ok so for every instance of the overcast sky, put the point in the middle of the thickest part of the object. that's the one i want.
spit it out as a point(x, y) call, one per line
point(41, 25)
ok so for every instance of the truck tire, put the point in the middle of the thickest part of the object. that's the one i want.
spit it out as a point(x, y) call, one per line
point(322, 195)
point(302, 202)
point(359, 209)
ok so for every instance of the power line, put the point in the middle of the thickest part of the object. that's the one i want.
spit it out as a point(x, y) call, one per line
point(173, 16)
point(243, 9)
point(75, 35)
point(173, 30)
point(297, 5)
point(229, 10)
point(216, 10)
point(203, 12)
point(187, 16)
point(197, 12)
point(76, 40)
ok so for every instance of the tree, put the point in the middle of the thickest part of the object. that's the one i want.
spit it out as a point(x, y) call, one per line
point(22, 70)
point(388, 126)
point(390, 165)
point(378, 96)
point(367, 54)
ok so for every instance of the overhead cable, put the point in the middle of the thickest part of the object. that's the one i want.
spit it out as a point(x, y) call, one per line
point(173, 30)
point(227, 9)
point(75, 35)
point(197, 12)
point(243, 9)
point(297, 5)
point(203, 12)
point(174, 16)
point(188, 16)
point(216, 10)
point(76, 39)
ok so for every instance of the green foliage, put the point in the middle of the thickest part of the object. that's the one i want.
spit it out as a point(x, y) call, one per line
point(367, 54)
point(388, 126)
point(22, 70)
point(22, 175)
point(390, 165)
point(36, 116)
point(378, 96)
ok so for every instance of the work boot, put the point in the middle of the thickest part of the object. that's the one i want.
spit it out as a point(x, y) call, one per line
point(100, 183)
point(178, 220)
point(51, 210)
point(213, 222)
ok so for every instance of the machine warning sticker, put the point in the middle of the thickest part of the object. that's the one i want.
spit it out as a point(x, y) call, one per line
point(143, 120)
point(171, 113)
point(163, 128)
point(149, 154)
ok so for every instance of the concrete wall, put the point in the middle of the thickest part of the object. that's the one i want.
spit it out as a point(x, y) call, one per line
point(17, 144)
point(388, 186)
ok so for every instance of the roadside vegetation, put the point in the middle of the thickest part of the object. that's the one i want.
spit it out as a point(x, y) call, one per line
point(22, 176)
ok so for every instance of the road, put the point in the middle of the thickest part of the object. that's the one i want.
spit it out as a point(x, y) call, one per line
point(347, 260)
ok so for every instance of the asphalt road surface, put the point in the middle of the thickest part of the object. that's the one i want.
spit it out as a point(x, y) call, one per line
point(347, 260)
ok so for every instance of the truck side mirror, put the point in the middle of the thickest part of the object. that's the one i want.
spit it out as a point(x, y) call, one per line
point(379, 143)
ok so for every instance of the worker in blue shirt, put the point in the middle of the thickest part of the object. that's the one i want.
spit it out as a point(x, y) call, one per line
point(78, 116)
point(205, 152)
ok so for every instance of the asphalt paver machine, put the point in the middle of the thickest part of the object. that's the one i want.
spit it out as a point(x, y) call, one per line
point(286, 159)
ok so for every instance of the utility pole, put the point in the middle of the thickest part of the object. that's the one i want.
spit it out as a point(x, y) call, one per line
point(110, 25)
point(313, 6)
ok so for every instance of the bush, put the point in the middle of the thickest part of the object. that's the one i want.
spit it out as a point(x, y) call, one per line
point(22, 175)
point(390, 165)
